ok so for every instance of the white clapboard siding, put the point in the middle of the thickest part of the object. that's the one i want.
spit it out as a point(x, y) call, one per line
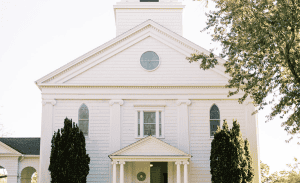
point(127, 19)
point(125, 68)
point(29, 162)
point(200, 142)
point(97, 143)
point(11, 166)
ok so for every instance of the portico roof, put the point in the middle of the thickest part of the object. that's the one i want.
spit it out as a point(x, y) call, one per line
point(150, 149)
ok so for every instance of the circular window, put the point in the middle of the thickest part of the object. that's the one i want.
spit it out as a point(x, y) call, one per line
point(141, 176)
point(149, 60)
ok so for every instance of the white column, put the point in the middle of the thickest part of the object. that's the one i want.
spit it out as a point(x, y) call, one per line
point(178, 171)
point(183, 126)
point(46, 136)
point(253, 138)
point(185, 172)
point(122, 171)
point(114, 163)
point(115, 125)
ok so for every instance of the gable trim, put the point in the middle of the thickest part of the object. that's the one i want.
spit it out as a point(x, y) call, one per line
point(110, 44)
point(117, 153)
point(14, 152)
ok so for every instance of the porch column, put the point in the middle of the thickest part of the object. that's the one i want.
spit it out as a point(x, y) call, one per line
point(122, 171)
point(185, 172)
point(178, 171)
point(114, 163)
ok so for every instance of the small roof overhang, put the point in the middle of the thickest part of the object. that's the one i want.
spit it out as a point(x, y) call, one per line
point(150, 149)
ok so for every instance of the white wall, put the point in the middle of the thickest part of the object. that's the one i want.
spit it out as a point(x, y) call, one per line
point(29, 162)
point(126, 19)
point(11, 166)
point(98, 140)
point(97, 143)
point(125, 68)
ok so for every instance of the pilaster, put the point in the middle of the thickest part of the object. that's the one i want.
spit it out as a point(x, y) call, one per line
point(46, 136)
point(252, 136)
point(183, 125)
point(115, 124)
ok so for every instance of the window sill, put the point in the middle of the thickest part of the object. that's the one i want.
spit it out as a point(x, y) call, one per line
point(148, 136)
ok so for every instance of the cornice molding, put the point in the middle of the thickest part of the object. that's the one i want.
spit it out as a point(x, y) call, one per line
point(149, 158)
point(128, 86)
point(53, 102)
point(112, 102)
point(149, 105)
point(186, 102)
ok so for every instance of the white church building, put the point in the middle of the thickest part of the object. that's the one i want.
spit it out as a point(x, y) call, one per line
point(148, 115)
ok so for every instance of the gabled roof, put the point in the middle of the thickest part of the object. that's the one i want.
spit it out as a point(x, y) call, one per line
point(26, 146)
point(122, 42)
point(149, 146)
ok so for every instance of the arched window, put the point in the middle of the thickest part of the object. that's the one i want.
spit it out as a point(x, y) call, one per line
point(214, 119)
point(83, 119)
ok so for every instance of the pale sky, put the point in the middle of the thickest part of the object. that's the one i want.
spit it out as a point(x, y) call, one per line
point(39, 36)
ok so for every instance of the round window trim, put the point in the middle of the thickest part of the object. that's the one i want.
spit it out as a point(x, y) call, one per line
point(141, 176)
point(146, 59)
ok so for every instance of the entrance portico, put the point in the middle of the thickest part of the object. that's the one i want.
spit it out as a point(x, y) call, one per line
point(139, 157)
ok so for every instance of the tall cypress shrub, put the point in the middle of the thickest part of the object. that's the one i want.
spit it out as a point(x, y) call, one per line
point(230, 159)
point(238, 159)
point(68, 161)
point(249, 173)
point(220, 157)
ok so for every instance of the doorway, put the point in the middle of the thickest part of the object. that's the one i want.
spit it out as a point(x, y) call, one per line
point(159, 172)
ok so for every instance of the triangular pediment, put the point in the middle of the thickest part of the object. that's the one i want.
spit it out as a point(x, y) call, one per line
point(146, 30)
point(149, 146)
point(6, 150)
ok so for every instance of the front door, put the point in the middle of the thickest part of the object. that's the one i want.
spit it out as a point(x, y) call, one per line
point(159, 172)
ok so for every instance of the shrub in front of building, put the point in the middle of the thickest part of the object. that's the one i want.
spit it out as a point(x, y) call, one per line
point(230, 159)
point(69, 161)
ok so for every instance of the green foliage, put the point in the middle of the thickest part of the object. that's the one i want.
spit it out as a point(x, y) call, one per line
point(264, 171)
point(34, 177)
point(291, 176)
point(230, 159)
point(220, 156)
point(261, 42)
point(69, 161)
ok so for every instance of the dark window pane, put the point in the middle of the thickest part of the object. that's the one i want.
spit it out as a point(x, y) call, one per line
point(214, 126)
point(149, 129)
point(149, 0)
point(83, 112)
point(139, 124)
point(160, 130)
point(149, 60)
point(149, 117)
point(214, 112)
point(83, 119)
point(160, 124)
point(84, 126)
